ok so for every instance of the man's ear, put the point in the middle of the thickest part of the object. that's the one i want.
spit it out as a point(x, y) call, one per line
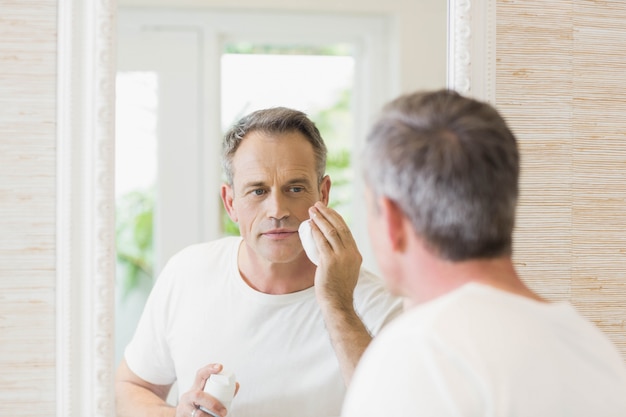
point(325, 190)
point(394, 222)
point(227, 195)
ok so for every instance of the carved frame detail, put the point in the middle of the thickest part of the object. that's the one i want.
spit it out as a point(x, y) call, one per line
point(472, 48)
point(85, 208)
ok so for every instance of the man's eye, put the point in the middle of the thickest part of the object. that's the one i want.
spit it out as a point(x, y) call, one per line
point(296, 189)
point(258, 192)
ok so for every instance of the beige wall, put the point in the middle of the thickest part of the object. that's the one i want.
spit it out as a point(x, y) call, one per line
point(561, 77)
point(27, 208)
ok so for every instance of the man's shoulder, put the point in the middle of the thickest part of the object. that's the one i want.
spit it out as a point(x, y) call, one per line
point(374, 302)
point(370, 284)
point(196, 261)
point(367, 278)
point(201, 250)
point(206, 254)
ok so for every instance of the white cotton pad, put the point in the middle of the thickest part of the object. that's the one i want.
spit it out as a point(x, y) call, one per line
point(306, 236)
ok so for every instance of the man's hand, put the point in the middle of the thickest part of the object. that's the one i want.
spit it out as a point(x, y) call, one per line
point(196, 397)
point(335, 280)
point(340, 260)
point(138, 398)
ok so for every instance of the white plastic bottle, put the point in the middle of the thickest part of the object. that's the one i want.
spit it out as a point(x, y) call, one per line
point(222, 386)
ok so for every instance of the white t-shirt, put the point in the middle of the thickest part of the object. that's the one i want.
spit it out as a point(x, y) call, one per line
point(200, 311)
point(479, 351)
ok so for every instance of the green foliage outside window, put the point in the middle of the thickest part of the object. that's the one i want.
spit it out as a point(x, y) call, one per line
point(134, 239)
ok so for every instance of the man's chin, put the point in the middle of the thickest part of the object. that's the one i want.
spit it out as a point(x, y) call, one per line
point(279, 257)
point(275, 252)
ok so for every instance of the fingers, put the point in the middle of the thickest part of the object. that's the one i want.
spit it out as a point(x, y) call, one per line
point(204, 373)
point(332, 226)
point(198, 403)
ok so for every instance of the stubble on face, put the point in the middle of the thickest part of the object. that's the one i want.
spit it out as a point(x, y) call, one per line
point(274, 185)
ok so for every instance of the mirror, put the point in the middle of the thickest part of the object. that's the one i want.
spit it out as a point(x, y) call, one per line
point(175, 65)
point(85, 180)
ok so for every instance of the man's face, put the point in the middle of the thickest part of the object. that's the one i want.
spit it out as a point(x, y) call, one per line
point(274, 184)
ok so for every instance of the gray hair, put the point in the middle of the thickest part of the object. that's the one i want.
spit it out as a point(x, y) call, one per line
point(451, 164)
point(275, 120)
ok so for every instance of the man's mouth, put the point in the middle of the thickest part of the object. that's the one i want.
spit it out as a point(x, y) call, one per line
point(279, 233)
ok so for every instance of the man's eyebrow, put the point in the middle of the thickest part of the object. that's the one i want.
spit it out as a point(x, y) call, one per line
point(253, 184)
point(261, 184)
point(303, 180)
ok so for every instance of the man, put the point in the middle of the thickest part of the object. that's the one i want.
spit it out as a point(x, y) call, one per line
point(442, 187)
point(255, 305)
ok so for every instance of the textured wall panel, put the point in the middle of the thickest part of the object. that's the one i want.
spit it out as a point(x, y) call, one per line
point(27, 208)
point(534, 92)
point(599, 161)
point(561, 71)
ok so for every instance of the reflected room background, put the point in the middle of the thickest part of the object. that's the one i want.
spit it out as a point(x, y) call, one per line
point(318, 81)
point(184, 76)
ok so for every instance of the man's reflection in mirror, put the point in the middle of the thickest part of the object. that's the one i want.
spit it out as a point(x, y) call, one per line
point(255, 305)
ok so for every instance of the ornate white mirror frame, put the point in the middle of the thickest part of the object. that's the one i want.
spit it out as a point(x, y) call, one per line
point(85, 208)
point(85, 182)
point(472, 48)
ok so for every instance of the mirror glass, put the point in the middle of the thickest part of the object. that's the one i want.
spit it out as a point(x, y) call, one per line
point(184, 76)
point(319, 81)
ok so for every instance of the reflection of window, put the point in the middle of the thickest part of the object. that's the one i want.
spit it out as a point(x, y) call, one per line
point(135, 130)
point(316, 80)
point(135, 179)
point(135, 175)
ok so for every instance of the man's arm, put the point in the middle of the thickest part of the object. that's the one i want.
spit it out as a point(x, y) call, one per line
point(348, 335)
point(138, 398)
point(335, 280)
point(135, 397)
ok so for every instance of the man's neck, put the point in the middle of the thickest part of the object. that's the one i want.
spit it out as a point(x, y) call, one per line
point(499, 273)
point(439, 277)
point(274, 278)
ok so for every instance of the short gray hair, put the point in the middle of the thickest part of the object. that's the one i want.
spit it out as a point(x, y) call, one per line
point(273, 121)
point(451, 164)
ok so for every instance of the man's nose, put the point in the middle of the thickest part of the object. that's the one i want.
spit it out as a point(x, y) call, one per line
point(277, 207)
